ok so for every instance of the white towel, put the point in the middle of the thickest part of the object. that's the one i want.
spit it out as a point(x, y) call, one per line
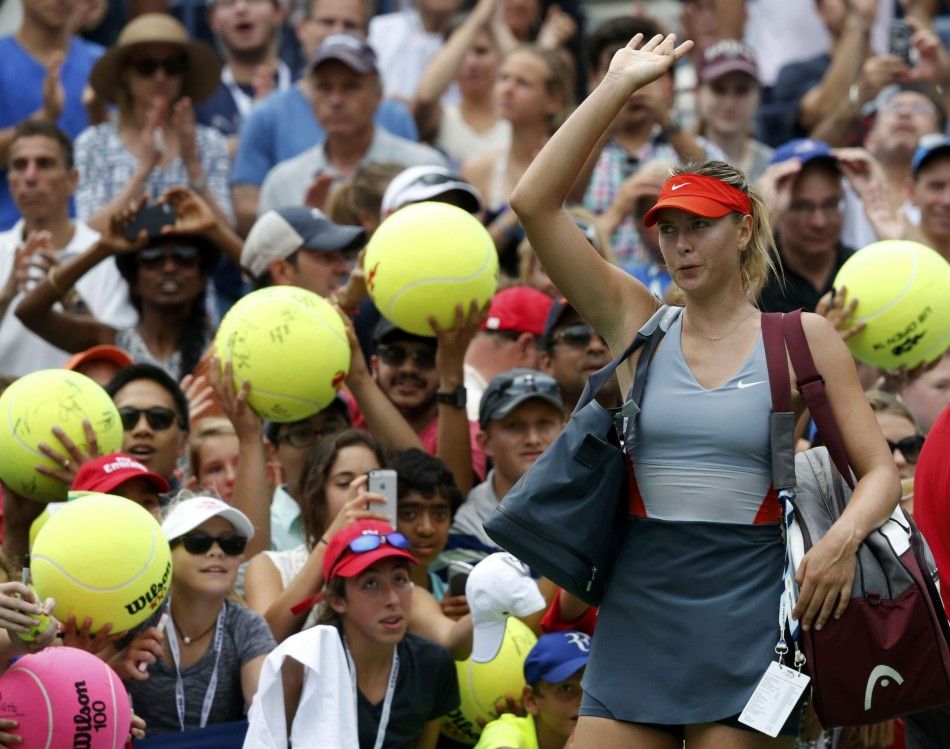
point(326, 716)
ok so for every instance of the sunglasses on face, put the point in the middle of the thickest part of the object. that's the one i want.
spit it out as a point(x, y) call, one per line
point(159, 418)
point(154, 257)
point(148, 66)
point(395, 356)
point(909, 446)
point(578, 335)
point(200, 543)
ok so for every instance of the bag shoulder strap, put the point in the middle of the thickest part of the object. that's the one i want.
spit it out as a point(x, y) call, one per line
point(659, 323)
point(782, 418)
point(812, 387)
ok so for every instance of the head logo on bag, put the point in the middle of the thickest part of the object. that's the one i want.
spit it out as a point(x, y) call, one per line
point(880, 674)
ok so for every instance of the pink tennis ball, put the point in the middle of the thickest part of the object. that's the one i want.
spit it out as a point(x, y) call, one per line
point(64, 698)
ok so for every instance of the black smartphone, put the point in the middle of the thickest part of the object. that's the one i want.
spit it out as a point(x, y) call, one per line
point(458, 576)
point(899, 40)
point(151, 218)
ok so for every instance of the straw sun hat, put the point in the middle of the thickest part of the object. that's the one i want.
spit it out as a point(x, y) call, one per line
point(204, 67)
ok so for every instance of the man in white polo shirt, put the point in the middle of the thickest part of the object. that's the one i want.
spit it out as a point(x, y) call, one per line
point(41, 177)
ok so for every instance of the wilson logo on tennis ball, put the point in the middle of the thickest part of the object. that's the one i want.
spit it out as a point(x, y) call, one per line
point(153, 596)
point(92, 716)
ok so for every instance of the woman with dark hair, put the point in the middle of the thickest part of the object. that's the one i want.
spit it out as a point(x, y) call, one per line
point(154, 74)
point(167, 276)
point(285, 586)
point(332, 494)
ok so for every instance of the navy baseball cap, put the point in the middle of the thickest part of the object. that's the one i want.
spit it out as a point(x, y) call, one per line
point(279, 233)
point(929, 146)
point(803, 149)
point(510, 389)
point(352, 51)
point(556, 656)
point(560, 308)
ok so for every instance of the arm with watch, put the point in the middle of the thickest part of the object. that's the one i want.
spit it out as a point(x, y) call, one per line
point(454, 443)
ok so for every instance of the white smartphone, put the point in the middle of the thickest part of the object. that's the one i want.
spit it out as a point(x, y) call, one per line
point(382, 481)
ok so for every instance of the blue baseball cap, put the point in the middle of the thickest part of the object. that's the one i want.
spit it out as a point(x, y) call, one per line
point(556, 656)
point(803, 149)
point(930, 145)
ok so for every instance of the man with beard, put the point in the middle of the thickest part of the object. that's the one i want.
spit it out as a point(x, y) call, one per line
point(809, 219)
point(246, 32)
point(405, 368)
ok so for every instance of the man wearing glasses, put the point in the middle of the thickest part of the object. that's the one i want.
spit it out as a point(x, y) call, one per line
point(290, 444)
point(809, 218)
point(573, 351)
point(154, 413)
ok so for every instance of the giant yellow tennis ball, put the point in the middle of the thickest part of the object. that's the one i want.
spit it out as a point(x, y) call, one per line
point(424, 260)
point(482, 685)
point(292, 347)
point(31, 407)
point(903, 293)
point(104, 557)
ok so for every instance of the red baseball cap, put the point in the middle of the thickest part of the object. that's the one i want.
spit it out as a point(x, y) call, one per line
point(105, 352)
point(105, 473)
point(342, 561)
point(701, 195)
point(520, 309)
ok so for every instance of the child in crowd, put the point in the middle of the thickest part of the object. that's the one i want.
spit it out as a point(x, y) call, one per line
point(213, 449)
point(427, 501)
point(403, 684)
point(552, 696)
point(204, 667)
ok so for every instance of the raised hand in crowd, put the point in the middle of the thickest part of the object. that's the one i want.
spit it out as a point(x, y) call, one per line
point(183, 125)
point(837, 309)
point(33, 259)
point(200, 396)
point(251, 483)
point(71, 456)
point(82, 637)
point(557, 29)
point(933, 60)
point(383, 419)
point(454, 446)
point(869, 180)
point(147, 648)
point(319, 191)
point(194, 214)
point(19, 612)
point(775, 185)
point(54, 95)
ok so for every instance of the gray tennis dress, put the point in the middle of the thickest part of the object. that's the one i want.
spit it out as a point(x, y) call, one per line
point(690, 619)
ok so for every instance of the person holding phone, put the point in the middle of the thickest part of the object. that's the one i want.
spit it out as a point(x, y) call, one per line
point(285, 586)
point(167, 273)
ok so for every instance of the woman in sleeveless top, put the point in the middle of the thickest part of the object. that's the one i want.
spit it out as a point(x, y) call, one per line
point(688, 624)
point(533, 91)
point(470, 58)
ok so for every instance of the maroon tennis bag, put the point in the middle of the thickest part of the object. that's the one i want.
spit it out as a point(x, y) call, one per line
point(888, 655)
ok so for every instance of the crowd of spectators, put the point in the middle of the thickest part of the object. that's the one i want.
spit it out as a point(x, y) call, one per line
point(261, 143)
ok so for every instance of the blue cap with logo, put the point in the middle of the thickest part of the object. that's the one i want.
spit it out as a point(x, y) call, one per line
point(556, 656)
point(930, 145)
point(803, 149)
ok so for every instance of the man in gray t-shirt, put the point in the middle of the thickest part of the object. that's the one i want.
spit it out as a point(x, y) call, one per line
point(347, 93)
